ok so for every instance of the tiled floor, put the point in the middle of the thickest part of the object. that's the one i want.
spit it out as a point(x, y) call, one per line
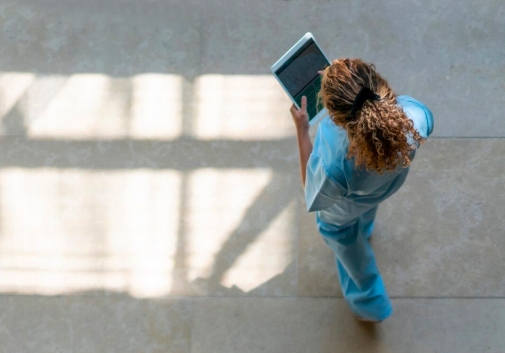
point(149, 187)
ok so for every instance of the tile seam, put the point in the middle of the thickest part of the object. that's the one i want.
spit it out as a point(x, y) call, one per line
point(193, 298)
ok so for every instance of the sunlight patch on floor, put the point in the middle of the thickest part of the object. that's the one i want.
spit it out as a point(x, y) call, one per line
point(218, 201)
point(94, 106)
point(73, 230)
point(241, 107)
point(268, 256)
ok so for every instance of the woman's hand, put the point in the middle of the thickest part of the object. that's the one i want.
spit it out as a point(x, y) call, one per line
point(300, 116)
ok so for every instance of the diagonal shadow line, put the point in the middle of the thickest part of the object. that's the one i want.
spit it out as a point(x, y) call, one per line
point(13, 122)
point(266, 207)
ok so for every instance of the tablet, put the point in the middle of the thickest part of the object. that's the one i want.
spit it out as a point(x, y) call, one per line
point(297, 70)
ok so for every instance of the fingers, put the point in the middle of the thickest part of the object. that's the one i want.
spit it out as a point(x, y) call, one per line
point(300, 116)
point(304, 104)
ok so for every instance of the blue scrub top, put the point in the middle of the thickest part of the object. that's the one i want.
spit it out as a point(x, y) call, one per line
point(337, 189)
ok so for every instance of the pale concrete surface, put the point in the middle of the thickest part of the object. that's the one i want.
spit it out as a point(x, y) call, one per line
point(94, 324)
point(125, 324)
point(149, 189)
point(325, 325)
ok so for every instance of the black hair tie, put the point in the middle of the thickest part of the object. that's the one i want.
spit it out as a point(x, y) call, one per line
point(364, 94)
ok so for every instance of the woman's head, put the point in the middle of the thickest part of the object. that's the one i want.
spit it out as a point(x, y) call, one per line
point(377, 127)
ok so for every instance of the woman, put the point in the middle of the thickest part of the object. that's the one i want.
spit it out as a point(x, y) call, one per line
point(361, 156)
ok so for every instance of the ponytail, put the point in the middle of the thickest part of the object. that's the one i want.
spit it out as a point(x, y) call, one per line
point(358, 99)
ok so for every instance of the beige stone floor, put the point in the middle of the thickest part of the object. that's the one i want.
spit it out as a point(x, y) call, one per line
point(149, 188)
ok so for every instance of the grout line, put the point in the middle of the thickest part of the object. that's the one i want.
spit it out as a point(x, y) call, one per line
point(429, 138)
point(466, 137)
point(341, 298)
point(193, 298)
point(192, 327)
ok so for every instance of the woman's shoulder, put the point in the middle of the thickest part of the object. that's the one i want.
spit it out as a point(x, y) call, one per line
point(418, 112)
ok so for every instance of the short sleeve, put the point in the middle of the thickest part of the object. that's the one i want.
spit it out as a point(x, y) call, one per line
point(321, 189)
point(419, 114)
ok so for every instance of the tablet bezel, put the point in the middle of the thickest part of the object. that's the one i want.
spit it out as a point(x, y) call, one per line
point(295, 49)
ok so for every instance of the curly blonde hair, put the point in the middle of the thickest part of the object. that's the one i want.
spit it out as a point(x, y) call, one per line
point(378, 132)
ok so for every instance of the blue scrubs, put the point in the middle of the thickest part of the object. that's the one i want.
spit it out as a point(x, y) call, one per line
point(345, 199)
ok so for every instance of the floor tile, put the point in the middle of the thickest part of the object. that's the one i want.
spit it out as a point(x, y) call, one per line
point(326, 325)
point(114, 38)
point(94, 324)
point(441, 234)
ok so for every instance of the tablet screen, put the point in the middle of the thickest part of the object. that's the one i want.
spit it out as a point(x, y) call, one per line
point(299, 75)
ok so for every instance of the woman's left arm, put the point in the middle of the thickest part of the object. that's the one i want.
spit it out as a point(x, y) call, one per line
point(301, 120)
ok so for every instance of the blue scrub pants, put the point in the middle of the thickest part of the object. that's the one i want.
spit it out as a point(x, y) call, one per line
point(361, 282)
